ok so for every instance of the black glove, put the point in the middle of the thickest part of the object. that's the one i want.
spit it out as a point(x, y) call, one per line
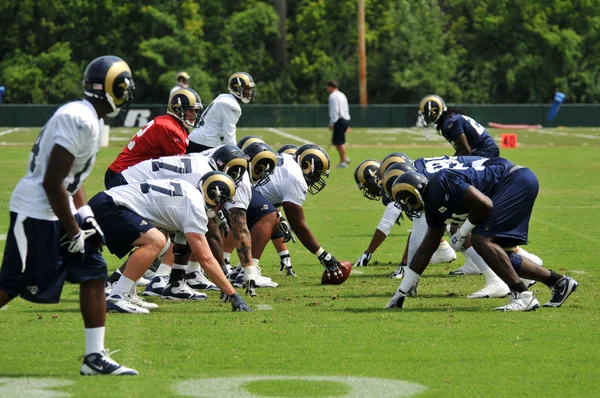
point(237, 303)
point(331, 264)
point(222, 222)
point(285, 228)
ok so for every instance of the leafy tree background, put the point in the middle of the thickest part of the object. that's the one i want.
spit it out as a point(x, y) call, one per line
point(468, 51)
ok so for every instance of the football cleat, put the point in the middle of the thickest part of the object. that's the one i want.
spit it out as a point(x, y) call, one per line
point(135, 300)
point(100, 363)
point(493, 290)
point(108, 287)
point(523, 301)
point(468, 268)
point(181, 291)
point(156, 286)
point(259, 281)
point(197, 281)
point(234, 273)
point(142, 282)
point(443, 254)
point(149, 274)
point(561, 291)
point(121, 303)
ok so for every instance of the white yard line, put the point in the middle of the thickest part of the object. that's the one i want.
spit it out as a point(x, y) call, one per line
point(264, 307)
point(287, 135)
point(564, 134)
point(9, 131)
point(2, 236)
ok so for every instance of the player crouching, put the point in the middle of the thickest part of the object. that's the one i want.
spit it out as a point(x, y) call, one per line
point(131, 215)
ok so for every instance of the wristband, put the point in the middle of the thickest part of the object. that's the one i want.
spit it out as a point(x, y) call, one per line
point(466, 228)
point(319, 252)
point(85, 212)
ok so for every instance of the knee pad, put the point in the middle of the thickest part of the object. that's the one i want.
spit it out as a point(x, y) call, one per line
point(515, 260)
point(164, 249)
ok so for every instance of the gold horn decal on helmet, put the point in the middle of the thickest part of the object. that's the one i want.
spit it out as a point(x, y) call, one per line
point(250, 141)
point(317, 153)
point(256, 162)
point(210, 180)
point(407, 187)
point(391, 175)
point(236, 162)
point(388, 162)
point(361, 170)
point(113, 72)
point(426, 100)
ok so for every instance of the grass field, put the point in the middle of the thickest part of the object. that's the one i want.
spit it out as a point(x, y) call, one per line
point(308, 340)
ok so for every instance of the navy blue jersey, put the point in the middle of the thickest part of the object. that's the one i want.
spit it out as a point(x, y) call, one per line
point(480, 141)
point(429, 166)
point(444, 197)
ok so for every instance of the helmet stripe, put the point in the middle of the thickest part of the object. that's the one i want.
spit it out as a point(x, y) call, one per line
point(113, 72)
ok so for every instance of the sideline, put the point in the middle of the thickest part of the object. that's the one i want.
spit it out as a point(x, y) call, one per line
point(10, 131)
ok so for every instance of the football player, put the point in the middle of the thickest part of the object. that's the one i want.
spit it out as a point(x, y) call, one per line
point(369, 176)
point(498, 198)
point(182, 81)
point(132, 215)
point(166, 135)
point(264, 221)
point(53, 235)
point(191, 168)
point(466, 135)
point(219, 120)
point(293, 177)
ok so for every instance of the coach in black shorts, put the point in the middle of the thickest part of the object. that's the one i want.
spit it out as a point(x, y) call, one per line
point(339, 120)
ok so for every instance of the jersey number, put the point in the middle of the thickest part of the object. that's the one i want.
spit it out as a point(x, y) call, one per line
point(157, 165)
point(175, 189)
point(478, 127)
point(139, 134)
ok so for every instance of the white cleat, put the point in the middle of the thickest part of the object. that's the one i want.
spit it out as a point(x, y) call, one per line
point(443, 254)
point(156, 286)
point(121, 303)
point(100, 363)
point(524, 301)
point(142, 282)
point(494, 290)
point(468, 268)
point(197, 281)
point(135, 300)
point(181, 291)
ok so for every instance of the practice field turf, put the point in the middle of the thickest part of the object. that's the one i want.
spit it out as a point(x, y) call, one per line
point(308, 340)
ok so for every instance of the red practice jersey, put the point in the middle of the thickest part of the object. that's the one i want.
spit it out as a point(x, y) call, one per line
point(163, 136)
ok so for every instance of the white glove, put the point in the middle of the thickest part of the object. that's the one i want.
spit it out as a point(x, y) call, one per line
point(457, 241)
point(89, 222)
point(397, 301)
point(363, 261)
point(77, 244)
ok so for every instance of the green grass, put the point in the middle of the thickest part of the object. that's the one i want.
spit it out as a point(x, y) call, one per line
point(453, 346)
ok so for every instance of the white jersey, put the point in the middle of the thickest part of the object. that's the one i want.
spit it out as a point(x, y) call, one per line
point(219, 122)
point(74, 126)
point(191, 168)
point(338, 107)
point(286, 184)
point(173, 205)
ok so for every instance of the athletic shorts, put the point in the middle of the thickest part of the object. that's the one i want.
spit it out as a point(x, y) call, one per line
point(257, 209)
point(35, 266)
point(493, 152)
point(513, 204)
point(339, 131)
point(112, 179)
point(120, 225)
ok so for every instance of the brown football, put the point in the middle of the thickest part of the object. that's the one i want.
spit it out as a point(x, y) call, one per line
point(340, 280)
